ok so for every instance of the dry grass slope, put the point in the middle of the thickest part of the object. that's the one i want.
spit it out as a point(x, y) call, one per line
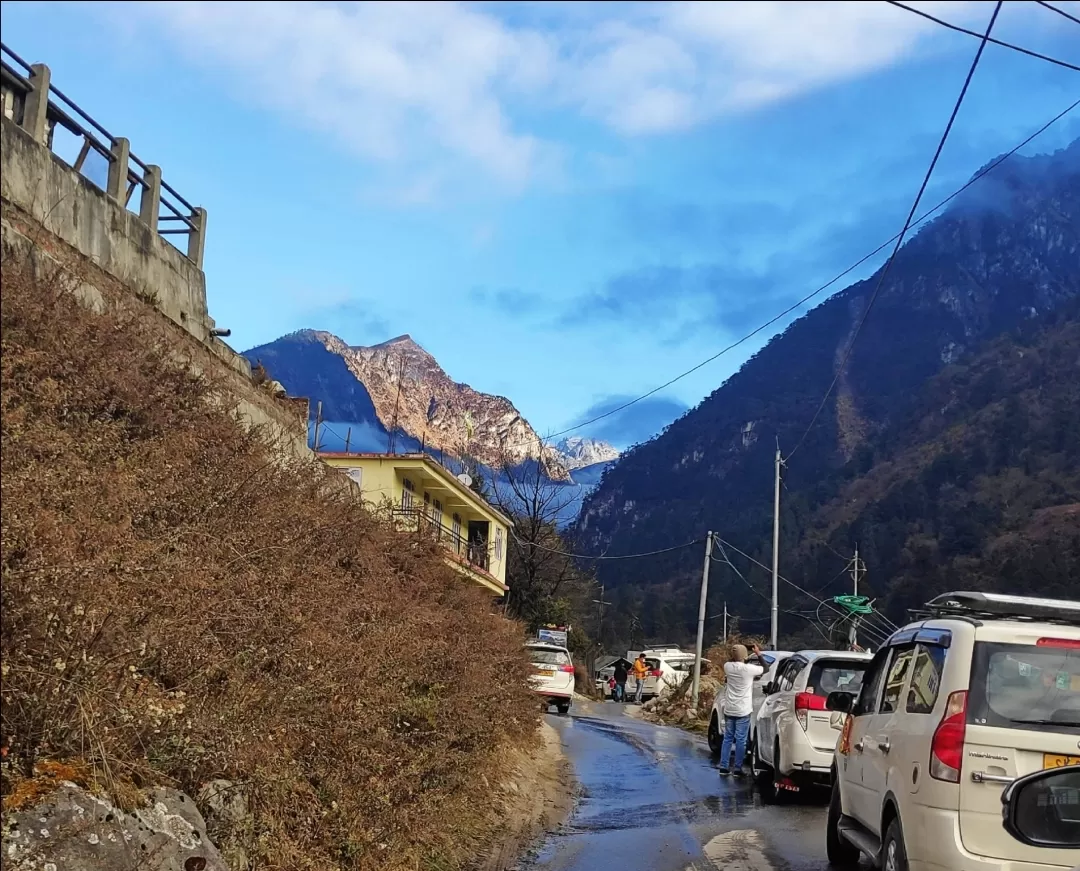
point(179, 605)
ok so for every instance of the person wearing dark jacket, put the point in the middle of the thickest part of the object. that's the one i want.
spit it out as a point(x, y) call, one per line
point(621, 676)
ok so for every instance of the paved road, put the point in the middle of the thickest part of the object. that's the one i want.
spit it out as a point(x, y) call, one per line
point(653, 801)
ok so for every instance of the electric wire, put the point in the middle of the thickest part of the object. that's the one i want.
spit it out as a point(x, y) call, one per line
point(805, 592)
point(1059, 11)
point(903, 232)
point(990, 167)
point(1009, 45)
point(586, 556)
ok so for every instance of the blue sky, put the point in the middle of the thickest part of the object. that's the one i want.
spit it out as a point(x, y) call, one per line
point(565, 204)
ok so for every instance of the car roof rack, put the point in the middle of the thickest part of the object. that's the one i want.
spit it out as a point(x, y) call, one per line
point(997, 606)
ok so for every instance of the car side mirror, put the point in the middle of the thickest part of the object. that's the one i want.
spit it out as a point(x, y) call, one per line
point(840, 701)
point(1043, 809)
point(767, 688)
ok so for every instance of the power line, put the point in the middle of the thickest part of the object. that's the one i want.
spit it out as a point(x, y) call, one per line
point(903, 232)
point(1008, 45)
point(619, 557)
point(754, 589)
point(805, 592)
point(923, 217)
point(1062, 12)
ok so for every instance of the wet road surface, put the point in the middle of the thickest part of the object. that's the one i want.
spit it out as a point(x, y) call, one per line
point(652, 800)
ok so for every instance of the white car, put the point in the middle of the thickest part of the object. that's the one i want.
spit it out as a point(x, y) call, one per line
point(954, 708)
point(553, 679)
point(795, 737)
point(668, 668)
point(775, 659)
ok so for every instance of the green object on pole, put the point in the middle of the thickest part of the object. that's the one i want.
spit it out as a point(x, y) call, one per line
point(854, 604)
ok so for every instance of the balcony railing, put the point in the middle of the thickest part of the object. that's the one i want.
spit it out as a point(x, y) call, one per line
point(39, 107)
point(424, 522)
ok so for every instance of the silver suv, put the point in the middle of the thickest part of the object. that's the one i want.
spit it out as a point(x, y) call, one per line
point(954, 707)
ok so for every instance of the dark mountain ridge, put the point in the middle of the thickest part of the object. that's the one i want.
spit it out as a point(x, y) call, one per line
point(1006, 254)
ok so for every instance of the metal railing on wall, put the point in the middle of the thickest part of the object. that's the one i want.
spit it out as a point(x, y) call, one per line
point(35, 104)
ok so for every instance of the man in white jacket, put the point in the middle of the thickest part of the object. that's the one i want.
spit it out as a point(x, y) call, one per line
point(740, 673)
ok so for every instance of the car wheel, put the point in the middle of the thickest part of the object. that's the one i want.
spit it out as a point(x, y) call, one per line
point(716, 740)
point(841, 853)
point(893, 853)
point(563, 707)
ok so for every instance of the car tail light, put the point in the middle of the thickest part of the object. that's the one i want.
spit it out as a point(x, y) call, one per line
point(947, 747)
point(655, 672)
point(1070, 643)
point(807, 702)
point(569, 669)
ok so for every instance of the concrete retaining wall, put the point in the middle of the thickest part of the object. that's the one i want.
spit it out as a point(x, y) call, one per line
point(58, 220)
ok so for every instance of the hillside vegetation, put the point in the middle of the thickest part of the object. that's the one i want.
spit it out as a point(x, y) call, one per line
point(179, 604)
point(978, 486)
point(937, 446)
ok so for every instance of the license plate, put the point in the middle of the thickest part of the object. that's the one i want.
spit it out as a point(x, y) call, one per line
point(1055, 760)
point(545, 672)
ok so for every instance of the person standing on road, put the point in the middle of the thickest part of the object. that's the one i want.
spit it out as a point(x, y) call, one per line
point(641, 671)
point(621, 676)
point(740, 673)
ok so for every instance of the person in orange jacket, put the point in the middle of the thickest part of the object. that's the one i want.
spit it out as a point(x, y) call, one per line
point(641, 671)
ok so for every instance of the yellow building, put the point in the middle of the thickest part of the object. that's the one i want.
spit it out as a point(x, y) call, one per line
point(424, 497)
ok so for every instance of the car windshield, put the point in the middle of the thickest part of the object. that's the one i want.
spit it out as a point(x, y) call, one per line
point(828, 677)
point(1024, 686)
point(546, 656)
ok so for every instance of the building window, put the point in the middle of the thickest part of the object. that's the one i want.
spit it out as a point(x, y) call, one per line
point(408, 498)
point(456, 528)
point(357, 474)
point(436, 515)
point(498, 544)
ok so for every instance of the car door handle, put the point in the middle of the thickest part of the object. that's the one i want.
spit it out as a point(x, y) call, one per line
point(884, 746)
point(983, 777)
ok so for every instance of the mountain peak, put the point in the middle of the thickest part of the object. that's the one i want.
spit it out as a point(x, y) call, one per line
point(405, 389)
point(580, 451)
point(403, 339)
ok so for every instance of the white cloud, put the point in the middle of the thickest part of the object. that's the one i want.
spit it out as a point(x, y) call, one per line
point(426, 83)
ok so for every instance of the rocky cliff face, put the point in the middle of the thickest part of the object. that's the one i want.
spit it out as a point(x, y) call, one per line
point(402, 387)
point(577, 452)
point(1006, 254)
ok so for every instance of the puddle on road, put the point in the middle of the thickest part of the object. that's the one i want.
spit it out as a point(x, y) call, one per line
point(741, 850)
point(653, 815)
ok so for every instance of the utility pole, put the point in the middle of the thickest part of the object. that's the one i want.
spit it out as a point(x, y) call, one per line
point(725, 622)
point(318, 423)
point(348, 438)
point(600, 623)
point(776, 555)
point(855, 570)
point(701, 622)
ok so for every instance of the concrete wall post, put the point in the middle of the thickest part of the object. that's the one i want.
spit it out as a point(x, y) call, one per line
point(197, 237)
point(150, 204)
point(36, 107)
point(118, 170)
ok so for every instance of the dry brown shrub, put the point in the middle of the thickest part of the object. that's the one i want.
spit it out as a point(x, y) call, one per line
point(179, 604)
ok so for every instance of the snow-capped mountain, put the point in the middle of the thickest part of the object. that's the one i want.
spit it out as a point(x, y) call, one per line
point(579, 451)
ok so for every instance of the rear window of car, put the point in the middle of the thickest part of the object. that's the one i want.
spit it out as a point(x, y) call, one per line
point(541, 656)
point(1025, 686)
point(830, 676)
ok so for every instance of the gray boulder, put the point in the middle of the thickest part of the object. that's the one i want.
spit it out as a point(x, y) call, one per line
point(73, 830)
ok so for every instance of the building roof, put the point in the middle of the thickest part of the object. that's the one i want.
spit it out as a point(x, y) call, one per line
point(439, 470)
